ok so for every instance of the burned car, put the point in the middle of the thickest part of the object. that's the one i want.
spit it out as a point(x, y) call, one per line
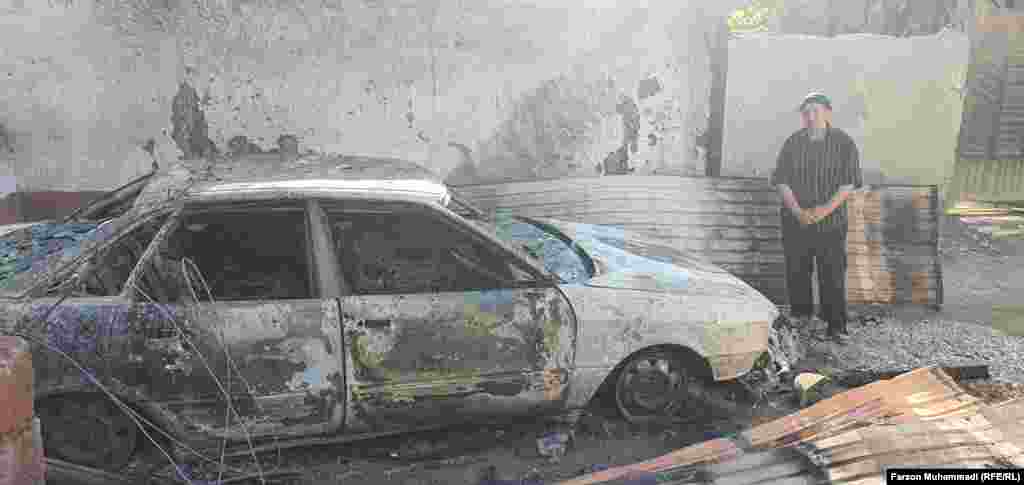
point(250, 298)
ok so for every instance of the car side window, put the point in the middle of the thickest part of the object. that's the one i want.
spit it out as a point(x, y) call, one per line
point(251, 254)
point(108, 271)
point(410, 252)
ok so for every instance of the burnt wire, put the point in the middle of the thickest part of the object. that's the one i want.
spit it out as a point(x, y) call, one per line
point(117, 401)
point(216, 380)
point(209, 296)
point(124, 407)
point(232, 365)
point(135, 415)
point(139, 420)
point(227, 354)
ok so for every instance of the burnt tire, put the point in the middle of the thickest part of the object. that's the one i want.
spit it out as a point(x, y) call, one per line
point(654, 385)
point(87, 430)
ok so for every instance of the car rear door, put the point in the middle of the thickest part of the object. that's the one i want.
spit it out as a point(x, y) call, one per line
point(443, 326)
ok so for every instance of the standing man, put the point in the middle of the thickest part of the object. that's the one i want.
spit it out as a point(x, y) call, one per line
point(817, 170)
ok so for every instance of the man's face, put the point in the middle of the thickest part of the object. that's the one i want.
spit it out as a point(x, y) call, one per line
point(814, 115)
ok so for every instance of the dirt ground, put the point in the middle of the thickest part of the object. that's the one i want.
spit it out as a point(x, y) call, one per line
point(508, 453)
point(980, 273)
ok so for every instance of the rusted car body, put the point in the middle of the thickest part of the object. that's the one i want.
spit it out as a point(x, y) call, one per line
point(341, 295)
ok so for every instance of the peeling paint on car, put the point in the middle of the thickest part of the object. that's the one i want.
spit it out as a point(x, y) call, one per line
point(81, 329)
point(432, 357)
point(713, 324)
point(375, 362)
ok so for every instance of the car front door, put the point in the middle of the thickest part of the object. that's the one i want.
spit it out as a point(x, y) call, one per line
point(242, 280)
point(443, 325)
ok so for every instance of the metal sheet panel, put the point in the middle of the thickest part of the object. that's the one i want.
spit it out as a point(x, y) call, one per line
point(988, 180)
point(734, 223)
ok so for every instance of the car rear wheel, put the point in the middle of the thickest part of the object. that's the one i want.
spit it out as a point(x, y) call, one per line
point(87, 430)
point(653, 385)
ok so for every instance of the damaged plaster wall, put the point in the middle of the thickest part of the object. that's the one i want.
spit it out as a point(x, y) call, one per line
point(888, 17)
point(530, 87)
point(899, 98)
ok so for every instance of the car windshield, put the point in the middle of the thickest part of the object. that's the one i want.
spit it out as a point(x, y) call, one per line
point(539, 241)
point(546, 244)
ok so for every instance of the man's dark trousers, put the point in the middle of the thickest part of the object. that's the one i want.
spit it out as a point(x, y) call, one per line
point(804, 248)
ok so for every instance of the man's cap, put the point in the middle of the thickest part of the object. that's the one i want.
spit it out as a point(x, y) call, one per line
point(815, 98)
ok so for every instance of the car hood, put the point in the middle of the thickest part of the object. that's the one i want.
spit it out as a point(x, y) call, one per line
point(31, 250)
point(633, 262)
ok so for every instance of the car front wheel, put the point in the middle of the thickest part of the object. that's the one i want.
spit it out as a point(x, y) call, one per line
point(653, 385)
point(87, 430)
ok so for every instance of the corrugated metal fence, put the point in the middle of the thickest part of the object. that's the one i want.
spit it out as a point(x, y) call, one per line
point(734, 223)
point(991, 144)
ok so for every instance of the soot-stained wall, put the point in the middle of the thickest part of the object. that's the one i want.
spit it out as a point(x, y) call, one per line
point(527, 88)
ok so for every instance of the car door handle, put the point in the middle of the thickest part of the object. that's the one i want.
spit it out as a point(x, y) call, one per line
point(377, 323)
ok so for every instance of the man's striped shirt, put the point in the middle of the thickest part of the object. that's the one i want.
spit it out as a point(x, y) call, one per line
point(815, 170)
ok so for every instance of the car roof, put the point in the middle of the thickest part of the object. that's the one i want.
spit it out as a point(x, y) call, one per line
point(267, 176)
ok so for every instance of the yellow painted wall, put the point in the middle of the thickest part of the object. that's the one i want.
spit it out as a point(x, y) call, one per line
point(899, 98)
point(911, 125)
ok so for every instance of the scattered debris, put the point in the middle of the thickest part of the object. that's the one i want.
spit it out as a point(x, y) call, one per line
point(802, 447)
point(784, 345)
point(554, 445)
point(995, 392)
point(812, 388)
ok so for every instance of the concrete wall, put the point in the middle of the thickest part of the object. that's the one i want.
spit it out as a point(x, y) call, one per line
point(900, 99)
point(529, 87)
point(890, 17)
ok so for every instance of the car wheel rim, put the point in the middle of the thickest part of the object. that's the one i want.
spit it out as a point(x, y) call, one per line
point(88, 431)
point(651, 387)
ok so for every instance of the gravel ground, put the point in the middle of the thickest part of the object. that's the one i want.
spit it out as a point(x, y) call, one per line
point(893, 344)
point(978, 273)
